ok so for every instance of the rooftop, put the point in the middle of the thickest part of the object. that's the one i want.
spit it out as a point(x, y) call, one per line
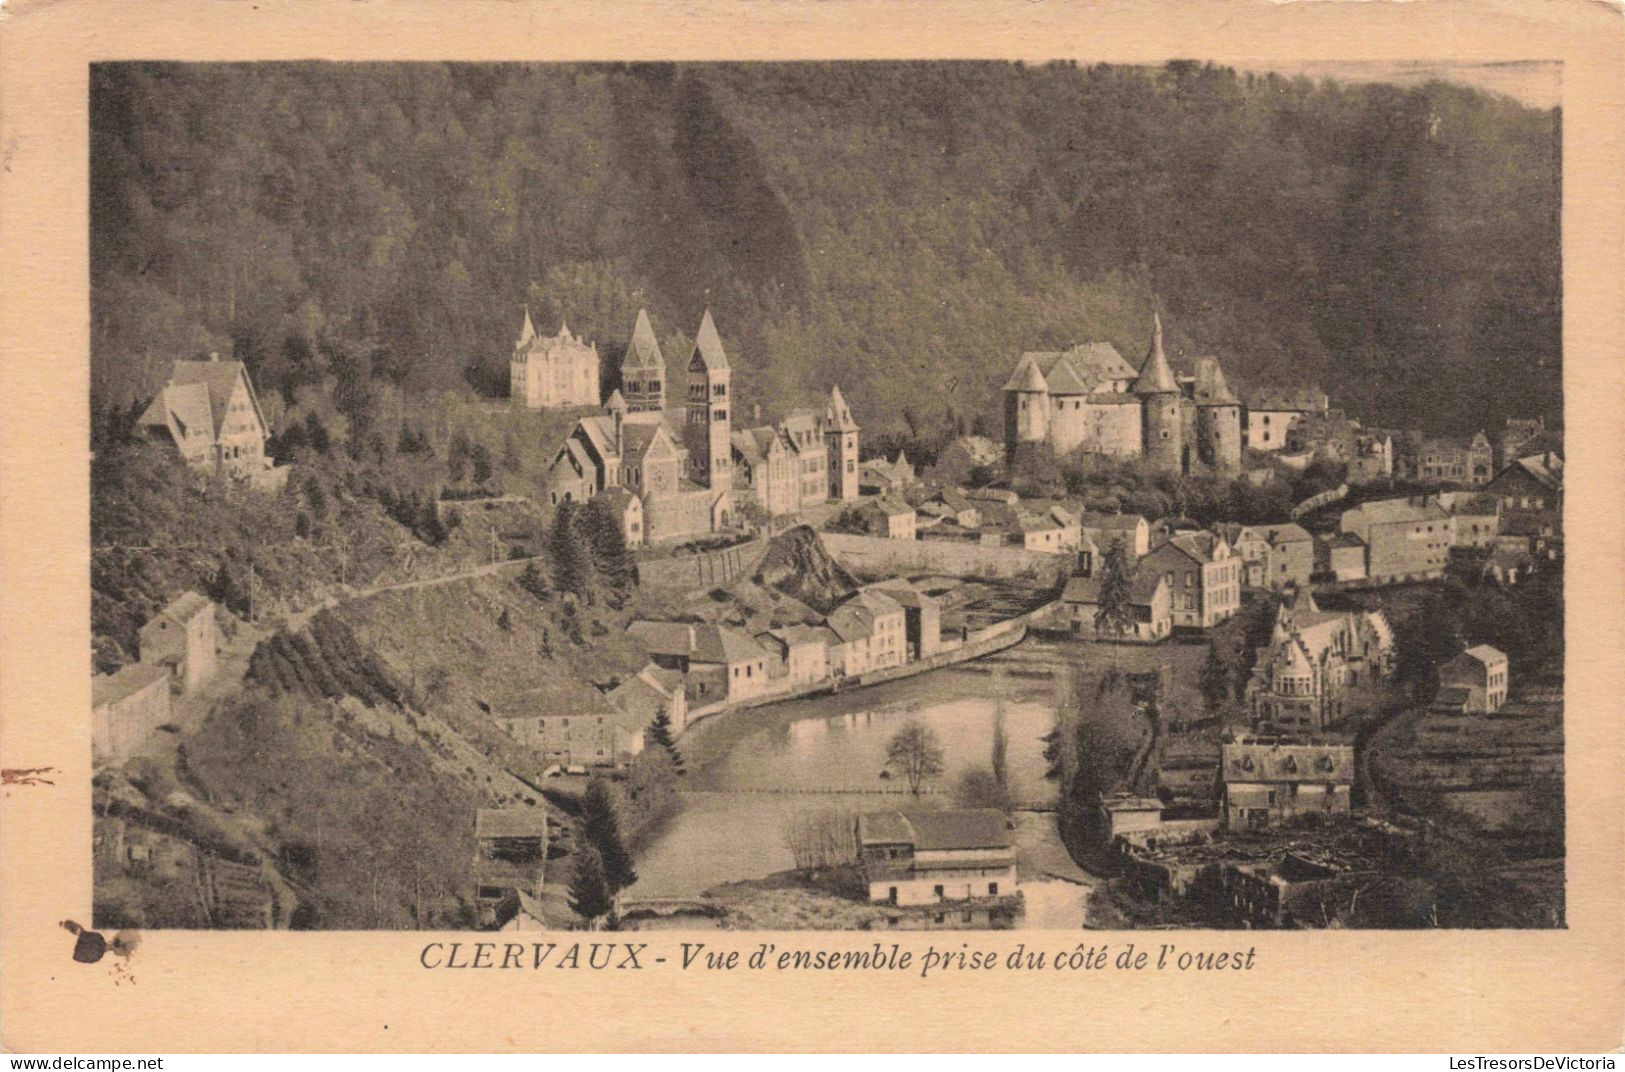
point(510, 823)
point(952, 829)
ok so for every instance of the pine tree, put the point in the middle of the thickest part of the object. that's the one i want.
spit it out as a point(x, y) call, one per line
point(601, 825)
point(572, 555)
point(1214, 681)
point(610, 555)
point(660, 734)
point(590, 894)
point(532, 581)
point(1116, 614)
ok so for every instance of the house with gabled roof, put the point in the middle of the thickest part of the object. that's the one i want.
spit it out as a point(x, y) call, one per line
point(935, 857)
point(1150, 616)
point(182, 637)
point(1302, 677)
point(510, 855)
point(208, 410)
point(1203, 577)
point(1267, 780)
point(1482, 673)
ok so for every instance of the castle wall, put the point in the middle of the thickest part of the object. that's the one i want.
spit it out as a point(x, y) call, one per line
point(673, 517)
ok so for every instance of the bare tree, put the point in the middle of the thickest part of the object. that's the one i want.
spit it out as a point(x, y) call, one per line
point(916, 752)
point(819, 840)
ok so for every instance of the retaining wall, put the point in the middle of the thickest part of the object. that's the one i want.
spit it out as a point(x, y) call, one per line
point(876, 556)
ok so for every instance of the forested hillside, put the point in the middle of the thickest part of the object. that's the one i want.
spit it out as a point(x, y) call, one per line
point(904, 229)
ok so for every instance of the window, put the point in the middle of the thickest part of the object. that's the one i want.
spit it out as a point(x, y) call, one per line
point(992, 889)
point(937, 890)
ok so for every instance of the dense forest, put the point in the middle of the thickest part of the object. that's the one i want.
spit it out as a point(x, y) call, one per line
point(904, 229)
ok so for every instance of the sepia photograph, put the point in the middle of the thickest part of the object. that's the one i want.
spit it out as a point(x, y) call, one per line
point(864, 496)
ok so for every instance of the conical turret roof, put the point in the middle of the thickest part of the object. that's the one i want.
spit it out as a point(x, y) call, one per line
point(1027, 376)
point(643, 352)
point(527, 331)
point(708, 351)
point(1156, 378)
point(1211, 388)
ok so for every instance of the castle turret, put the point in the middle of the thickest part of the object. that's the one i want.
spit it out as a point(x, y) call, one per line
point(841, 443)
point(1161, 430)
point(707, 432)
point(643, 370)
point(1218, 418)
point(1026, 407)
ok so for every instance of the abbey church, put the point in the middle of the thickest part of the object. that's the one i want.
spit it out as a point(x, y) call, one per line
point(1089, 399)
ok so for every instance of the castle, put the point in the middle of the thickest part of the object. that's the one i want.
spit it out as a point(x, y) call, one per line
point(679, 472)
point(1089, 399)
point(552, 373)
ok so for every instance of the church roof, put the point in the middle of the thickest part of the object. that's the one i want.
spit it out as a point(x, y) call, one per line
point(643, 352)
point(1156, 378)
point(708, 350)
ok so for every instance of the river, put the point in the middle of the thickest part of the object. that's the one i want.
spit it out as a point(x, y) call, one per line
point(751, 771)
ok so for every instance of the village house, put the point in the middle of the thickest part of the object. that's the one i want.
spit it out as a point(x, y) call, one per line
point(922, 617)
point(932, 857)
point(1372, 461)
point(510, 854)
point(182, 637)
point(1324, 435)
point(627, 510)
point(726, 664)
point(1272, 556)
point(1517, 438)
point(1267, 781)
point(1302, 677)
point(1530, 483)
point(1449, 461)
point(668, 644)
point(952, 504)
point(127, 707)
point(1476, 517)
point(1105, 529)
point(208, 411)
point(554, 372)
point(644, 697)
point(889, 517)
point(888, 642)
point(802, 649)
point(880, 477)
point(1340, 556)
point(1272, 412)
point(1203, 578)
point(1406, 539)
point(1149, 608)
point(1481, 672)
point(1090, 399)
point(606, 736)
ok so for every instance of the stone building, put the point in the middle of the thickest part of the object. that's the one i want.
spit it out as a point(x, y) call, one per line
point(182, 637)
point(932, 857)
point(209, 412)
point(1089, 399)
point(643, 370)
point(1404, 538)
point(127, 707)
point(1302, 677)
point(1203, 577)
point(1481, 672)
point(1272, 556)
point(807, 458)
point(552, 372)
point(1267, 781)
point(649, 451)
point(1273, 412)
